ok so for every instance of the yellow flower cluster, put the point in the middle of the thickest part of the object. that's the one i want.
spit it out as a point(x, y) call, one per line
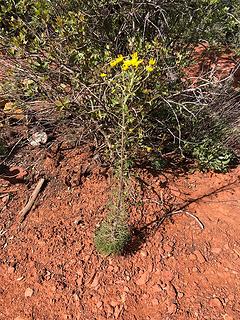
point(116, 61)
point(133, 62)
point(151, 63)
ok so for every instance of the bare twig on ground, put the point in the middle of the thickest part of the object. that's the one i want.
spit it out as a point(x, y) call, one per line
point(189, 214)
point(23, 213)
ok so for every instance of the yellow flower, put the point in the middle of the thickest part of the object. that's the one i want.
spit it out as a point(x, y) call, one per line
point(126, 64)
point(149, 68)
point(149, 149)
point(134, 55)
point(152, 62)
point(116, 61)
point(102, 75)
point(131, 62)
point(136, 62)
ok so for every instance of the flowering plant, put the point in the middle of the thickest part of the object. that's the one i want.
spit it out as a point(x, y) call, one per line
point(125, 81)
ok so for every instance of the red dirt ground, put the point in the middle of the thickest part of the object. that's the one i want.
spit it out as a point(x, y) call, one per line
point(50, 270)
point(186, 266)
point(213, 65)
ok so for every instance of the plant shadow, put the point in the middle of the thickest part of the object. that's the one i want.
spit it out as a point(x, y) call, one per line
point(140, 235)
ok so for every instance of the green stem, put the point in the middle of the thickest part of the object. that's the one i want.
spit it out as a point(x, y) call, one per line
point(126, 96)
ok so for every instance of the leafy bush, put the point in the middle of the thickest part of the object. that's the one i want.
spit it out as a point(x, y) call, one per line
point(212, 155)
point(115, 22)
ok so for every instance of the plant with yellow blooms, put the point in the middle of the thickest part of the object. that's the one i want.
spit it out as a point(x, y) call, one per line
point(125, 80)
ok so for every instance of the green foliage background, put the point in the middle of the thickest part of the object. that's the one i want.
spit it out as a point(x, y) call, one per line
point(66, 44)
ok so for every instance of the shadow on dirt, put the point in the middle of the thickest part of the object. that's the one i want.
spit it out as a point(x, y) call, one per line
point(140, 235)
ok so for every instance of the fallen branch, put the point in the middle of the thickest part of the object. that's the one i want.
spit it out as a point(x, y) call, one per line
point(23, 213)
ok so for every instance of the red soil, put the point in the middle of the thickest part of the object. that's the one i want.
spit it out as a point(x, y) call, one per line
point(49, 268)
point(213, 65)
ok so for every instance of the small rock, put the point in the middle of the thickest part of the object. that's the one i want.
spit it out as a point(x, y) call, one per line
point(99, 304)
point(227, 317)
point(167, 276)
point(216, 303)
point(143, 279)
point(118, 311)
point(199, 256)
point(28, 292)
point(80, 273)
point(231, 297)
point(79, 282)
point(145, 297)
point(156, 288)
point(235, 256)
point(171, 291)
point(38, 138)
point(192, 257)
point(109, 310)
point(5, 199)
point(123, 297)
point(110, 268)
point(11, 270)
point(116, 269)
point(95, 282)
point(161, 251)
point(167, 248)
point(53, 288)
point(216, 250)
point(180, 295)
point(76, 297)
point(194, 269)
point(172, 308)
point(19, 172)
point(143, 253)
point(226, 247)
point(114, 303)
point(155, 302)
point(127, 275)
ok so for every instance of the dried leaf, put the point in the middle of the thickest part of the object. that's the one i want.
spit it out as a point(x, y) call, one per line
point(14, 111)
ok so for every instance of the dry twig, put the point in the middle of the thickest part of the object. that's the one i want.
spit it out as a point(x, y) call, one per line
point(23, 213)
point(191, 215)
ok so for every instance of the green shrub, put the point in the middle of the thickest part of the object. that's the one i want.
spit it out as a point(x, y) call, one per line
point(212, 155)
